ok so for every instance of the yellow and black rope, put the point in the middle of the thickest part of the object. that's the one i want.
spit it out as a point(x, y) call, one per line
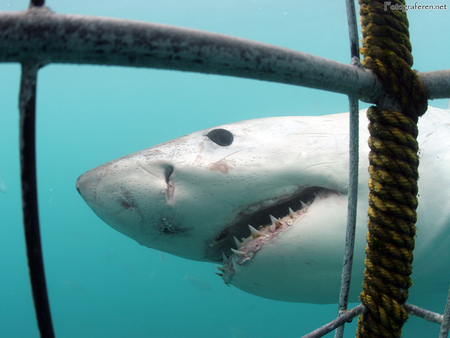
point(393, 169)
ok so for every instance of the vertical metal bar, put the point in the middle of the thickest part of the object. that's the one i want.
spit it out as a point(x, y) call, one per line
point(351, 212)
point(27, 107)
point(37, 3)
point(352, 31)
point(353, 174)
point(445, 327)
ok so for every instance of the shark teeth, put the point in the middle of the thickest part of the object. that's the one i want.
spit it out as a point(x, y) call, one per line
point(238, 252)
point(271, 216)
point(255, 233)
point(291, 213)
point(276, 224)
point(304, 204)
point(273, 219)
point(237, 242)
point(248, 247)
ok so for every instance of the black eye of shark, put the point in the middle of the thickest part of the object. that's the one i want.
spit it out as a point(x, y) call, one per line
point(222, 137)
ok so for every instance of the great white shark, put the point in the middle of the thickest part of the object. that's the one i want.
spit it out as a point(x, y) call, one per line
point(268, 198)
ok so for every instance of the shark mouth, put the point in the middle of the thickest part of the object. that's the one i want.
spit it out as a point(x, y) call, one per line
point(269, 218)
point(277, 218)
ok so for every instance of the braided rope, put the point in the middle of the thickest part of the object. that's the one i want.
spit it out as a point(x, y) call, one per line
point(393, 171)
point(387, 52)
point(392, 215)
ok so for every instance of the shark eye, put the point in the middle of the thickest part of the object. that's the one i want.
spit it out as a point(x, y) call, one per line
point(221, 136)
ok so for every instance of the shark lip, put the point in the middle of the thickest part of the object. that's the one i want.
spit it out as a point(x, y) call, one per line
point(259, 216)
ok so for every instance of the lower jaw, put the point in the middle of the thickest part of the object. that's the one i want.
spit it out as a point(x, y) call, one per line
point(293, 261)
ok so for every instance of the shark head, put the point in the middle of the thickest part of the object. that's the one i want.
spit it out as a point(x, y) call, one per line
point(191, 196)
point(268, 197)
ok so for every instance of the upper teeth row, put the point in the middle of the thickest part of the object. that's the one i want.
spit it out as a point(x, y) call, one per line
point(254, 233)
point(244, 247)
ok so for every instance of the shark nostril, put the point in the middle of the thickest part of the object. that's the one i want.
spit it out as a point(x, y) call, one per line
point(168, 172)
point(170, 184)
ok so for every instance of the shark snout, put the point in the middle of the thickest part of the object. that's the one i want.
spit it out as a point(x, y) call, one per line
point(127, 184)
point(86, 186)
point(79, 184)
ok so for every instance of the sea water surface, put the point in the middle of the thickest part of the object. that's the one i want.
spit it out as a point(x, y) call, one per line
point(103, 284)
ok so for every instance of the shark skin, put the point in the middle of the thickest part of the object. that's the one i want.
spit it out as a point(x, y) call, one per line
point(287, 177)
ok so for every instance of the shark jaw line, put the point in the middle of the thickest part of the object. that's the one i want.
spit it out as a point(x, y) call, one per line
point(247, 248)
point(260, 216)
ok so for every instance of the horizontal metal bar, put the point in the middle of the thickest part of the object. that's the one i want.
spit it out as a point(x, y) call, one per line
point(43, 36)
point(423, 313)
point(437, 83)
point(346, 317)
point(47, 37)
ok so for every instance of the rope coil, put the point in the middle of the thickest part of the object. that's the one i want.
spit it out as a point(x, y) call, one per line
point(392, 217)
point(393, 168)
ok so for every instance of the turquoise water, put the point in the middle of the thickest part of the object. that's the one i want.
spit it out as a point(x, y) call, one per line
point(101, 283)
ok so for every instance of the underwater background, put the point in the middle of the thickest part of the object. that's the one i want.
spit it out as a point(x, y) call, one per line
point(103, 284)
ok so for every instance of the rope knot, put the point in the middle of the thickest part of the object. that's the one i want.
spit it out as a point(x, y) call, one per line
point(387, 52)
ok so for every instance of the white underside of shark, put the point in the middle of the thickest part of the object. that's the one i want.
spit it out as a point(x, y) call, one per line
point(194, 197)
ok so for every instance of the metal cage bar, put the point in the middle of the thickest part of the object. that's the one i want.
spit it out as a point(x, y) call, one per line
point(37, 37)
point(27, 107)
point(41, 35)
point(353, 174)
